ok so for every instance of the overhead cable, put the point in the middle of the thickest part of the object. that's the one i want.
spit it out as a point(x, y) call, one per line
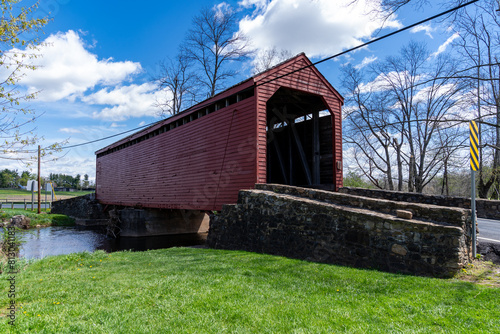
point(302, 68)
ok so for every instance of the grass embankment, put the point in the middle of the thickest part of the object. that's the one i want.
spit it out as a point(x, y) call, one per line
point(43, 219)
point(184, 290)
point(20, 194)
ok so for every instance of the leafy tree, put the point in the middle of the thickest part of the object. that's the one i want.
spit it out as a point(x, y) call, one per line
point(85, 183)
point(9, 178)
point(353, 179)
point(76, 182)
point(19, 27)
point(67, 181)
point(25, 177)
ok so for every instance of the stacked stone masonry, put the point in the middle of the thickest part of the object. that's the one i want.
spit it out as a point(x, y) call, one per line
point(484, 208)
point(81, 207)
point(338, 228)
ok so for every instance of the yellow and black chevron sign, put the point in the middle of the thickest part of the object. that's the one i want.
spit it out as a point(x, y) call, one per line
point(474, 144)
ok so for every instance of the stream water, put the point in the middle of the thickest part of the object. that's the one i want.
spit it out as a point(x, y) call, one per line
point(42, 242)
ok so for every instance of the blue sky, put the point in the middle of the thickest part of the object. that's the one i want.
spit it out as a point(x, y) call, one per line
point(99, 57)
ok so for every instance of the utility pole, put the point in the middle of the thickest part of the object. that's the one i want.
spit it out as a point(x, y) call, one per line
point(39, 183)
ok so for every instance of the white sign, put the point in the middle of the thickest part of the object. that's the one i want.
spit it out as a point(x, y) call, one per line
point(48, 187)
point(32, 185)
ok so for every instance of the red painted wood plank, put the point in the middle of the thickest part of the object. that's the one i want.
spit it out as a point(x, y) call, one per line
point(203, 164)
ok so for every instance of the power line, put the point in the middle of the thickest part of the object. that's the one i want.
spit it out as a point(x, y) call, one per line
point(370, 42)
point(300, 69)
point(108, 137)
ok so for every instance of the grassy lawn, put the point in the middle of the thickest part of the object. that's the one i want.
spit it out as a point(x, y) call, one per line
point(44, 219)
point(21, 194)
point(186, 290)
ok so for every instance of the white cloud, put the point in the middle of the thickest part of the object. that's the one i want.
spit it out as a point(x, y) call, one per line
point(383, 81)
point(365, 62)
point(71, 76)
point(318, 28)
point(378, 84)
point(259, 4)
point(68, 69)
point(423, 27)
point(442, 47)
point(125, 102)
point(70, 130)
point(71, 164)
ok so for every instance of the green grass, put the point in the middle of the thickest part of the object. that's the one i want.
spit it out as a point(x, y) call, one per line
point(8, 193)
point(44, 219)
point(184, 290)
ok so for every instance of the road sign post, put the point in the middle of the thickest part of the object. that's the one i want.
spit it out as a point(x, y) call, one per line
point(32, 186)
point(474, 166)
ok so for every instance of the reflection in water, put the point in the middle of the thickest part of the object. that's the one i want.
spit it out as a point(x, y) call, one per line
point(65, 240)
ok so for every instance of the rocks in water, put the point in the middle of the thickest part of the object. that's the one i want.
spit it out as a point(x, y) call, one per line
point(20, 221)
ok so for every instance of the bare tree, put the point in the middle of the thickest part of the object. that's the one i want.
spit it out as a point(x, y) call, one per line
point(479, 45)
point(179, 84)
point(270, 57)
point(389, 7)
point(416, 102)
point(366, 129)
point(419, 109)
point(452, 140)
point(213, 43)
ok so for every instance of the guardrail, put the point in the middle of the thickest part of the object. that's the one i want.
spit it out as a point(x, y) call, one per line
point(17, 204)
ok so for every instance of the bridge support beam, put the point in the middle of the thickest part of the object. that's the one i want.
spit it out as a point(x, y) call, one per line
point(149, 222)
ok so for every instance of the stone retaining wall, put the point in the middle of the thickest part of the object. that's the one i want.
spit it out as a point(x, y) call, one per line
point(319, 226)
point(132, 222)
point(422, 212)
point(81, 208)
point(484, 208)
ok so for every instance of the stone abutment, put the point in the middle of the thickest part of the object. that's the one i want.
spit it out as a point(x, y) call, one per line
point(344, 229)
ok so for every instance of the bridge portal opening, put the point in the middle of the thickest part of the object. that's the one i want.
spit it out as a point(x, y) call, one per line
point(299, 139)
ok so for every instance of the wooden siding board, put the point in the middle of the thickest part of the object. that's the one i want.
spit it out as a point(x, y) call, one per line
point(308, 80)
point(202, 165)
point(242, 104)
point(143, 174)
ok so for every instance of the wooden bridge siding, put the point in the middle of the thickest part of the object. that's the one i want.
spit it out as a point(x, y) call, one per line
point(308, 80)
point(336, 111)
point(180, 169)
point(194, 109)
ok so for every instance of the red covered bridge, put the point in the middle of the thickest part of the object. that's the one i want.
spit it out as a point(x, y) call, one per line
point(259, 131)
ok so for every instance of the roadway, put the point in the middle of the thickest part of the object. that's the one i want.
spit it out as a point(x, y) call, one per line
point(489, 230)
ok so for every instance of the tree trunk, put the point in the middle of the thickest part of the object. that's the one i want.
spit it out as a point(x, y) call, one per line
point(400, 163)
point(389, 171)
point(411, 176)
point(444, 188)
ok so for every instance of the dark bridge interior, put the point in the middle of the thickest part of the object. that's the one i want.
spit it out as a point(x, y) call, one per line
point(299, 139)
